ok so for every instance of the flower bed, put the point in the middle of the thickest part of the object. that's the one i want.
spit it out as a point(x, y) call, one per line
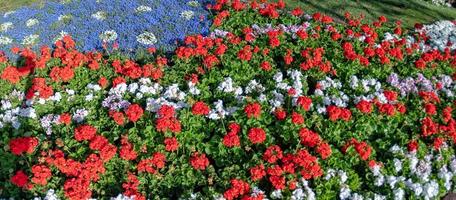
point(129, 24)
point(272, 104)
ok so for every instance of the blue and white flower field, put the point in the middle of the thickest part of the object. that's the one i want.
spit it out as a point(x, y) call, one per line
point(128, 23)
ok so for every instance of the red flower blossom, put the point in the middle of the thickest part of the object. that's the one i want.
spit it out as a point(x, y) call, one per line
point(134, 112)
point(127, 151)
point(238, 188)
point(166, 111)
point(266, 66)
point(334, 112)
point(11, 74)
point(199, 161)
point(278, 182)
point(200, 108)
point(364, 106)
point(231, 140)
point(309, 138)
point(304, 102)
point(84, 132)
point(253, 110)
point(171, 144)
point(390, 95)
point(412, 146)
point(65, 118)
point(428, 127)
point(20, 179)
point(324, 150)
point(23, 144)
point(297, 118)
point(280, 114)
point(118, 117)
point(41, 174)
point(430, 109)
point(272, 154)
point(257, 172)
point(257, 135)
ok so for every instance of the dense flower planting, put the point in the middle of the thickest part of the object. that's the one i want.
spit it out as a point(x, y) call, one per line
point(272, 104)
point(128, 24)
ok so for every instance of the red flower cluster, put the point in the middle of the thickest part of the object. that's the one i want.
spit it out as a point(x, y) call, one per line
point(39, 85)
point(167, 121)
point(171, 144)
point(134, 112)
point(304, 102)
point(200, 108)
point(363, 149)
point(126, 150)
point(272, 154)
point(364, 106)
point(20, 179)
point(131, 187)
point(199, 161)
point(253, 110)
point(336, 113)
point(297, 118)
point(231, 139)
point(23, 144)
point(238, 188)
point(151, 165)
point(84, 132)
point(11, 74)
point(41, 174)
point(309, 138)
point(257, 135)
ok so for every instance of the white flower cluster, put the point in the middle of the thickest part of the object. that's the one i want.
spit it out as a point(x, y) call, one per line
point(441, 34)
point(100, 15)
point(146, 38)
point(6, 26)
point(5, 40)
point(30, 40)
point(31, 22)
point(11, 115)
point(143, 8)
point(419, 180)
point(187, 14)
point(108, 36)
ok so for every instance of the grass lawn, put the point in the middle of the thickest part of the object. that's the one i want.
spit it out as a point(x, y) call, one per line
point(409, 11)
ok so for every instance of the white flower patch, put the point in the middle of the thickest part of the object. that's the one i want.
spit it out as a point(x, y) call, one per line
point(32, 22)
point(6, 26)
point(187, 14)
point(440, 34)
point(5, 40)
point(80, 114)
point(108, 36)
point(146, 38)
point(100, 15)
point(193, 3)
point(30, 40)
point(143, 8)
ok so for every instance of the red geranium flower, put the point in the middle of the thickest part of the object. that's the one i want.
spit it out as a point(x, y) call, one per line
point(257, 135)
point(253, 110)
point(19, 179)
point(200, 108)
point(24, 144)
point(171, 144)
point(134, 112)
point(199, 161)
